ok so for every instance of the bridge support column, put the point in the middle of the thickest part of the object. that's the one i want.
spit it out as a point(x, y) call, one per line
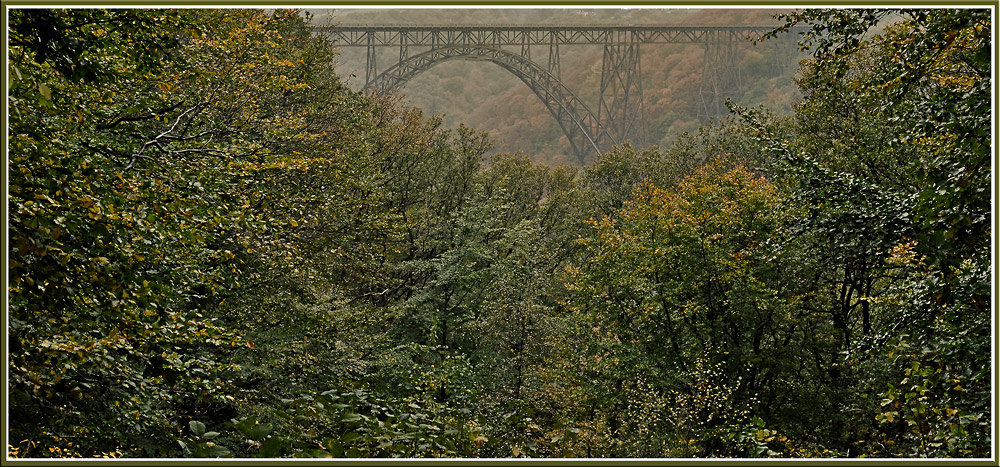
point(554, 57)
point(621, 109)
point(782, 56)
point(370, 71)
point(720, 77)
point(403, 42)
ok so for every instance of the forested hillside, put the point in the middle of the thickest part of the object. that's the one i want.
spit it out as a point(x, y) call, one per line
point(216, 248)
point(487, 97)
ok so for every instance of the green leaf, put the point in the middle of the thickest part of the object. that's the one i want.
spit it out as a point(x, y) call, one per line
point(260, 431)
point(197, 427)
point(210, 435)
point(270, 448)
point(336, 449)
point(217, 451)
point(353, 453)
point(245, 425)
point(451, 445)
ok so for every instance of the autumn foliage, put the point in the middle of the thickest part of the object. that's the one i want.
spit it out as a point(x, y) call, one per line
point(217, 249)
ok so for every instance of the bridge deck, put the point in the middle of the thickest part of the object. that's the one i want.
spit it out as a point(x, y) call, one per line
point(526, 35)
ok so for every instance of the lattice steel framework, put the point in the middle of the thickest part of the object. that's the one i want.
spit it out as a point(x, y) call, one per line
point(619, 115)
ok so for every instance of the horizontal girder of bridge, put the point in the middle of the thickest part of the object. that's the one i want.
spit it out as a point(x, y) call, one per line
point(497, 36)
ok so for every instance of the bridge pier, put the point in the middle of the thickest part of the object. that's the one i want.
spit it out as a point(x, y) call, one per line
point(554, 68)
point(718, 81)
point(370, 69)
point(621, 91)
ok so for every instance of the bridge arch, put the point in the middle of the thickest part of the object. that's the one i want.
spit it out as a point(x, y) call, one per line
point(581, 126)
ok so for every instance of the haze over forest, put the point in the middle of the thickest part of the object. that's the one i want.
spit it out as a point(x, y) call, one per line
point(485, 97)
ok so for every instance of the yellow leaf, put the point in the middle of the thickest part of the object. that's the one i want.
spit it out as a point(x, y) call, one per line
point(45, 91)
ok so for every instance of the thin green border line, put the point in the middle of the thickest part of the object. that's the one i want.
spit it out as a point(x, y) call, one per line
point(995, 4)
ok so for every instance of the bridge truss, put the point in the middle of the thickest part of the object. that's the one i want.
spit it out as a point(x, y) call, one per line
point(619, 114)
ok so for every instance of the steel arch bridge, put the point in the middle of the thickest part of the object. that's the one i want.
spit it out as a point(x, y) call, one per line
point(619, 114)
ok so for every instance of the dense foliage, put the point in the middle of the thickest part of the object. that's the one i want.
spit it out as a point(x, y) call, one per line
point(218, 249)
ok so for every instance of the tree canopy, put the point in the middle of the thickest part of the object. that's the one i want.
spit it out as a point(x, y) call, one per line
point(217, 249)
